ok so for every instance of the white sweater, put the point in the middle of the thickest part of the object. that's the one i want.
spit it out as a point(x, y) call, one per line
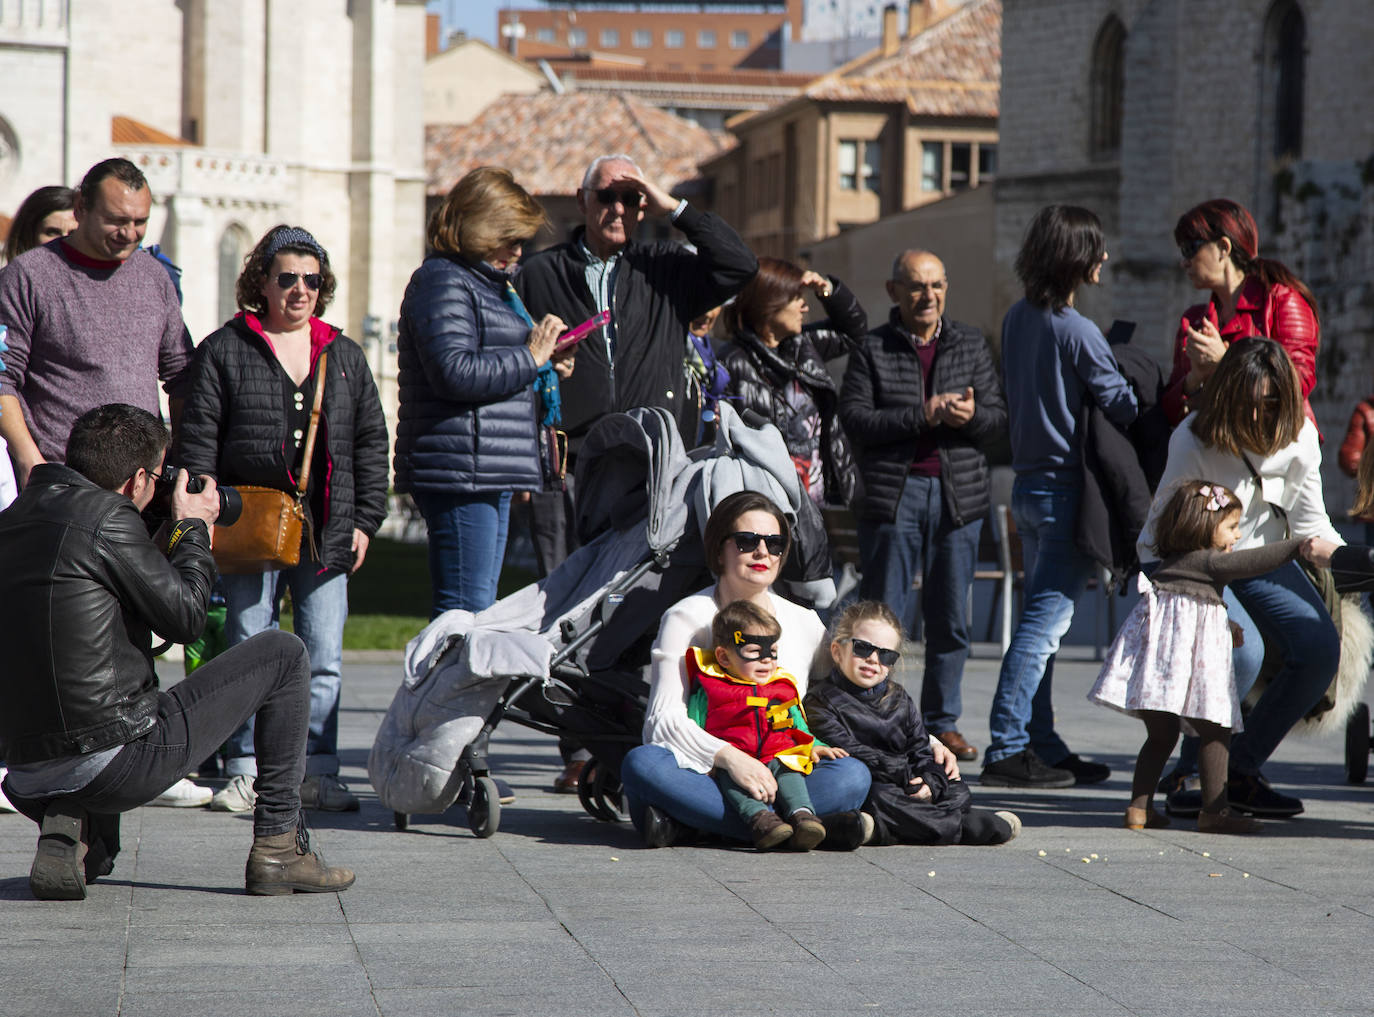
point(688, 623)
point(1291, 479)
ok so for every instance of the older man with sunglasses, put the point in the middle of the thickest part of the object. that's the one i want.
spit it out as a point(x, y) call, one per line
point(652, 291)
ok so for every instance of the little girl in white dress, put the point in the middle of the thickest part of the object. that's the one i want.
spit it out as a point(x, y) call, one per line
point(1170, 665)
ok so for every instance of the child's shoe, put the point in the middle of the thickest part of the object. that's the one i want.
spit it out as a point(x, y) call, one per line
point(1227, 821)
point(809, 831)
point(1012, 820)
point(1145, 819)
point(768, 830)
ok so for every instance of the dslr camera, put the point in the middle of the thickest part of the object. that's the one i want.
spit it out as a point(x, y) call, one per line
point(160, 508)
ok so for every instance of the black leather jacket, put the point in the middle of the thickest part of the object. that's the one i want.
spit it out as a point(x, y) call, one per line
point(760, 375)
point(83, 587)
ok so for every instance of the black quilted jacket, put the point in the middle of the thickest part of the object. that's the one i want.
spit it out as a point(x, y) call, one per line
point(882, 404)
point(760, 374)
point(467, 416)
point(233, 427)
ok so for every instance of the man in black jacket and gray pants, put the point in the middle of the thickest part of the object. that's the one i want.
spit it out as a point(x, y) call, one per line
point(86, 730)
point(921, 404)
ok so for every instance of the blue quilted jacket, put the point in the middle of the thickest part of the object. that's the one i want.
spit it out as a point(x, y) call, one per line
point(466, 423)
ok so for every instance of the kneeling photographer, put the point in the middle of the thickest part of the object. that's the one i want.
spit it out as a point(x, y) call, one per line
point(86, 729)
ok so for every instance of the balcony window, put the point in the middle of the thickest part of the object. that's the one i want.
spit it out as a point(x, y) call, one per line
point(674, 39)
point(932, 166)
point(577, 38)
point(706, 39)
point(739, 40)
point(642, 38)
point(610, 38)
point(960, 166)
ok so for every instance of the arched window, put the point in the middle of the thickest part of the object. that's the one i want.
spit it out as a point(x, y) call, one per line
point(1285, 56)
point(234, 244)
point(1106, 89)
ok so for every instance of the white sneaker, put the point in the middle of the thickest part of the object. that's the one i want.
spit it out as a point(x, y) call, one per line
point(1012, 820)
point(328, 794)
point(236, 796)
point(184, 795)
point(5, 805)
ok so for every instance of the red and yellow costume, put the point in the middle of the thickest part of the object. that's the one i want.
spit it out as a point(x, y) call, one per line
point(764, 721)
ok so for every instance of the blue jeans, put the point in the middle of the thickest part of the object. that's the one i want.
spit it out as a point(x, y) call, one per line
point(921, 540)
point(1291, 615)
point(319, 607)
point(1045, 507)
point(467, 543)
point(650, 776)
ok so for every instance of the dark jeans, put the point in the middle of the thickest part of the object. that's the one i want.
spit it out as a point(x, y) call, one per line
point(790, 797)
point(269, 675)
point(923, 541)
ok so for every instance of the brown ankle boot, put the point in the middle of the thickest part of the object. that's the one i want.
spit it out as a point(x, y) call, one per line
point(284, 863)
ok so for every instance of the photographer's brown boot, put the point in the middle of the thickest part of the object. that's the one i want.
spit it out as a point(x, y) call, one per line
point(284, 863)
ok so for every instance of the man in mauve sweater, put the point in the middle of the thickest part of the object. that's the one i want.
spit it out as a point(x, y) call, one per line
point(92, 320)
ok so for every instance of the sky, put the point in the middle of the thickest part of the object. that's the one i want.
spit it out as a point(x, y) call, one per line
point(476, 17)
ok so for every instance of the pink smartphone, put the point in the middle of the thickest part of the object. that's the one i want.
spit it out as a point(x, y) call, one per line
point(575, 335)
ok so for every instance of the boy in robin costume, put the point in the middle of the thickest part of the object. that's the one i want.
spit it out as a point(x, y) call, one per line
point(741, 697)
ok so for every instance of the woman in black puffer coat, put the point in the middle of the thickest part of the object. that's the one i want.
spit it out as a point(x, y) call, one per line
point(468, 357)
point(777, 369)
point(245, 423)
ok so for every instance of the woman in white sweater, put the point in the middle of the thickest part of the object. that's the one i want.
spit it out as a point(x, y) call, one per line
point(666, 779)
point(1250, 434)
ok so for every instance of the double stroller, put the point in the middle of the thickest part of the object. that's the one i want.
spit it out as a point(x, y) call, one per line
point(569, 655)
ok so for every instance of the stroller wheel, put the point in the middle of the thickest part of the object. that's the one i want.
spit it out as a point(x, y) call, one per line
point(606, 792)
point(401, 820)
point(586, 791)
point(1357, 745)
point(484, 811)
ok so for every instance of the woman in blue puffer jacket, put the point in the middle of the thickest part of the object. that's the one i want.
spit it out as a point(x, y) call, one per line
point(469, 354)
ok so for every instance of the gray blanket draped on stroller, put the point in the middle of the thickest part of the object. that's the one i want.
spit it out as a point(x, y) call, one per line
point(640, 494)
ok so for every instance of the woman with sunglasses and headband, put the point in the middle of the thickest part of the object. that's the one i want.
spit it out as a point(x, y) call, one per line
point(667, 780)
point(1251, 295)
point(245, 423)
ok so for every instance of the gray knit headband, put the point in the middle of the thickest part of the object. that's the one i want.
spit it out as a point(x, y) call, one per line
point(293, 236)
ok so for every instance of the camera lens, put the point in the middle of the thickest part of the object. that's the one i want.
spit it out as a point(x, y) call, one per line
point(230, 506)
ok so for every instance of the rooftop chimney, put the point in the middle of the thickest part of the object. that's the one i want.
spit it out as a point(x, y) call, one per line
point(918, 16)
point(890, 39)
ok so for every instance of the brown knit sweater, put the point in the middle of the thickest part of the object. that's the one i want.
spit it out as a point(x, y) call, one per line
point(1204, 574)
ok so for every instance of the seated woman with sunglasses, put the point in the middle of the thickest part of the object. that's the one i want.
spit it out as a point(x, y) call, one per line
point(667, 779)
point(1250, 296)
point(245, 423)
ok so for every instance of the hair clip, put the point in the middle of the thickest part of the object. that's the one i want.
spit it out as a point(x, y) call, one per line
point(1217, 499)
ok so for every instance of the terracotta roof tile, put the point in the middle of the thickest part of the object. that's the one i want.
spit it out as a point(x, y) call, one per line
point(128, 131)
point(547, 140)
point(953, 68)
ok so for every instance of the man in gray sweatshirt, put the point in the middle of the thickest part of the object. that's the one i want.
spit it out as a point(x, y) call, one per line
point(92, 320)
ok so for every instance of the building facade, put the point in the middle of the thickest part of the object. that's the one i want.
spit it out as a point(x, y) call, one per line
point(705, 35)
point(239, 125)
point(1114, 105)
point(910, 123)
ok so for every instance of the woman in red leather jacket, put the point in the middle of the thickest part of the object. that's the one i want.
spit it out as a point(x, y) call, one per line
point(1250, 296)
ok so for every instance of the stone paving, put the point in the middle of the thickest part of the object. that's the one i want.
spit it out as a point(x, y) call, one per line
point(559, 914)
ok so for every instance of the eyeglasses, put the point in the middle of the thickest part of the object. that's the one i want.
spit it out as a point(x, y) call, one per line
point(609, 196)
point(288, 279)
point(1190, 247)
point(863, 649)
point(746, 541)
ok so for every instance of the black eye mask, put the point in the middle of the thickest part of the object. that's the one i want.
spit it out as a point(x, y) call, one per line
point(753, 647)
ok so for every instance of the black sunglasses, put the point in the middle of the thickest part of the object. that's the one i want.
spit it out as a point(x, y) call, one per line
point(609, 196)
point(747, 540)
point(288, 279)
point(1190, 247)
point(863, 649)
